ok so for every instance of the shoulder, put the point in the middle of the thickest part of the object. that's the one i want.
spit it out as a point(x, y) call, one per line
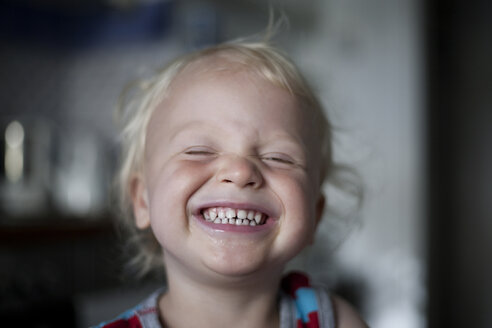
point(345, 314)
point(125, 320)
point(144, 315)
point(122, 322)
point(316, 306)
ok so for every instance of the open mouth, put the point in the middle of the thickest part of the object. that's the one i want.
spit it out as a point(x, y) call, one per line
point(239, 217)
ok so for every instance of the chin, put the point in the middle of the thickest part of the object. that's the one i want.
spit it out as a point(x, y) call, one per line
point(247, 273)
point(237, 269)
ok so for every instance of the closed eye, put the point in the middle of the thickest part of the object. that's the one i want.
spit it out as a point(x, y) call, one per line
point(280, 160)
point(200, 151)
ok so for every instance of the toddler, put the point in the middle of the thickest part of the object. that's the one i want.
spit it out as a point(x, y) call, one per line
point(224, 159)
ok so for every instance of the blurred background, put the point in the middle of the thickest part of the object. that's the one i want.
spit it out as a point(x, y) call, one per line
point(406, 83)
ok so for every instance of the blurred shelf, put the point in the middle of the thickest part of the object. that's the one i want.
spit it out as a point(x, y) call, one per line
point(17, 231)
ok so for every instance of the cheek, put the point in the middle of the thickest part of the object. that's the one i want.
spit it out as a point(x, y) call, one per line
point(169, 193)
point(299, 205)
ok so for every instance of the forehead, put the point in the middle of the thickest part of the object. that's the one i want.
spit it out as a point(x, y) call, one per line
point(235, 96)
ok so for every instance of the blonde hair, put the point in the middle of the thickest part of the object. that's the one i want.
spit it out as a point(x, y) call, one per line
point(258, 58)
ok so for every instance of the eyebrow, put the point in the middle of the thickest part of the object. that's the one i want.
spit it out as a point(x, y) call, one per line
point(290, 139)
point(183, 128)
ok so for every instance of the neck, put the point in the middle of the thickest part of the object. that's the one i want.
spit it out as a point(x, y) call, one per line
point(232, 302)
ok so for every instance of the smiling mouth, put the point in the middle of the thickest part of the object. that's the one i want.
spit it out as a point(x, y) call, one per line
point(239, 217)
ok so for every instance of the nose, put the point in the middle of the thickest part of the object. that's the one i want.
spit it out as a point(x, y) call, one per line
point(240, 171)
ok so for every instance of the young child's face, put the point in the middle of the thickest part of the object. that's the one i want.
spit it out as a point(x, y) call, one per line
point(229, 144)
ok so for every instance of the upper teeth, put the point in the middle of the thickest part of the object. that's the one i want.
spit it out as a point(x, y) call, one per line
point(225, 215)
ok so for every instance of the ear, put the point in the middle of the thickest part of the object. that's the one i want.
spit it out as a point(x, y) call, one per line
point(320, 206)
point(140, 202)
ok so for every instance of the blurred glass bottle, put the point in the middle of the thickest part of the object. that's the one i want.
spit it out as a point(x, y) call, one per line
point(82, 175)
point(26, 145)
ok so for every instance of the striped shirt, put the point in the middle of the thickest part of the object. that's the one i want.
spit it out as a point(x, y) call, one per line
point(301, 306)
